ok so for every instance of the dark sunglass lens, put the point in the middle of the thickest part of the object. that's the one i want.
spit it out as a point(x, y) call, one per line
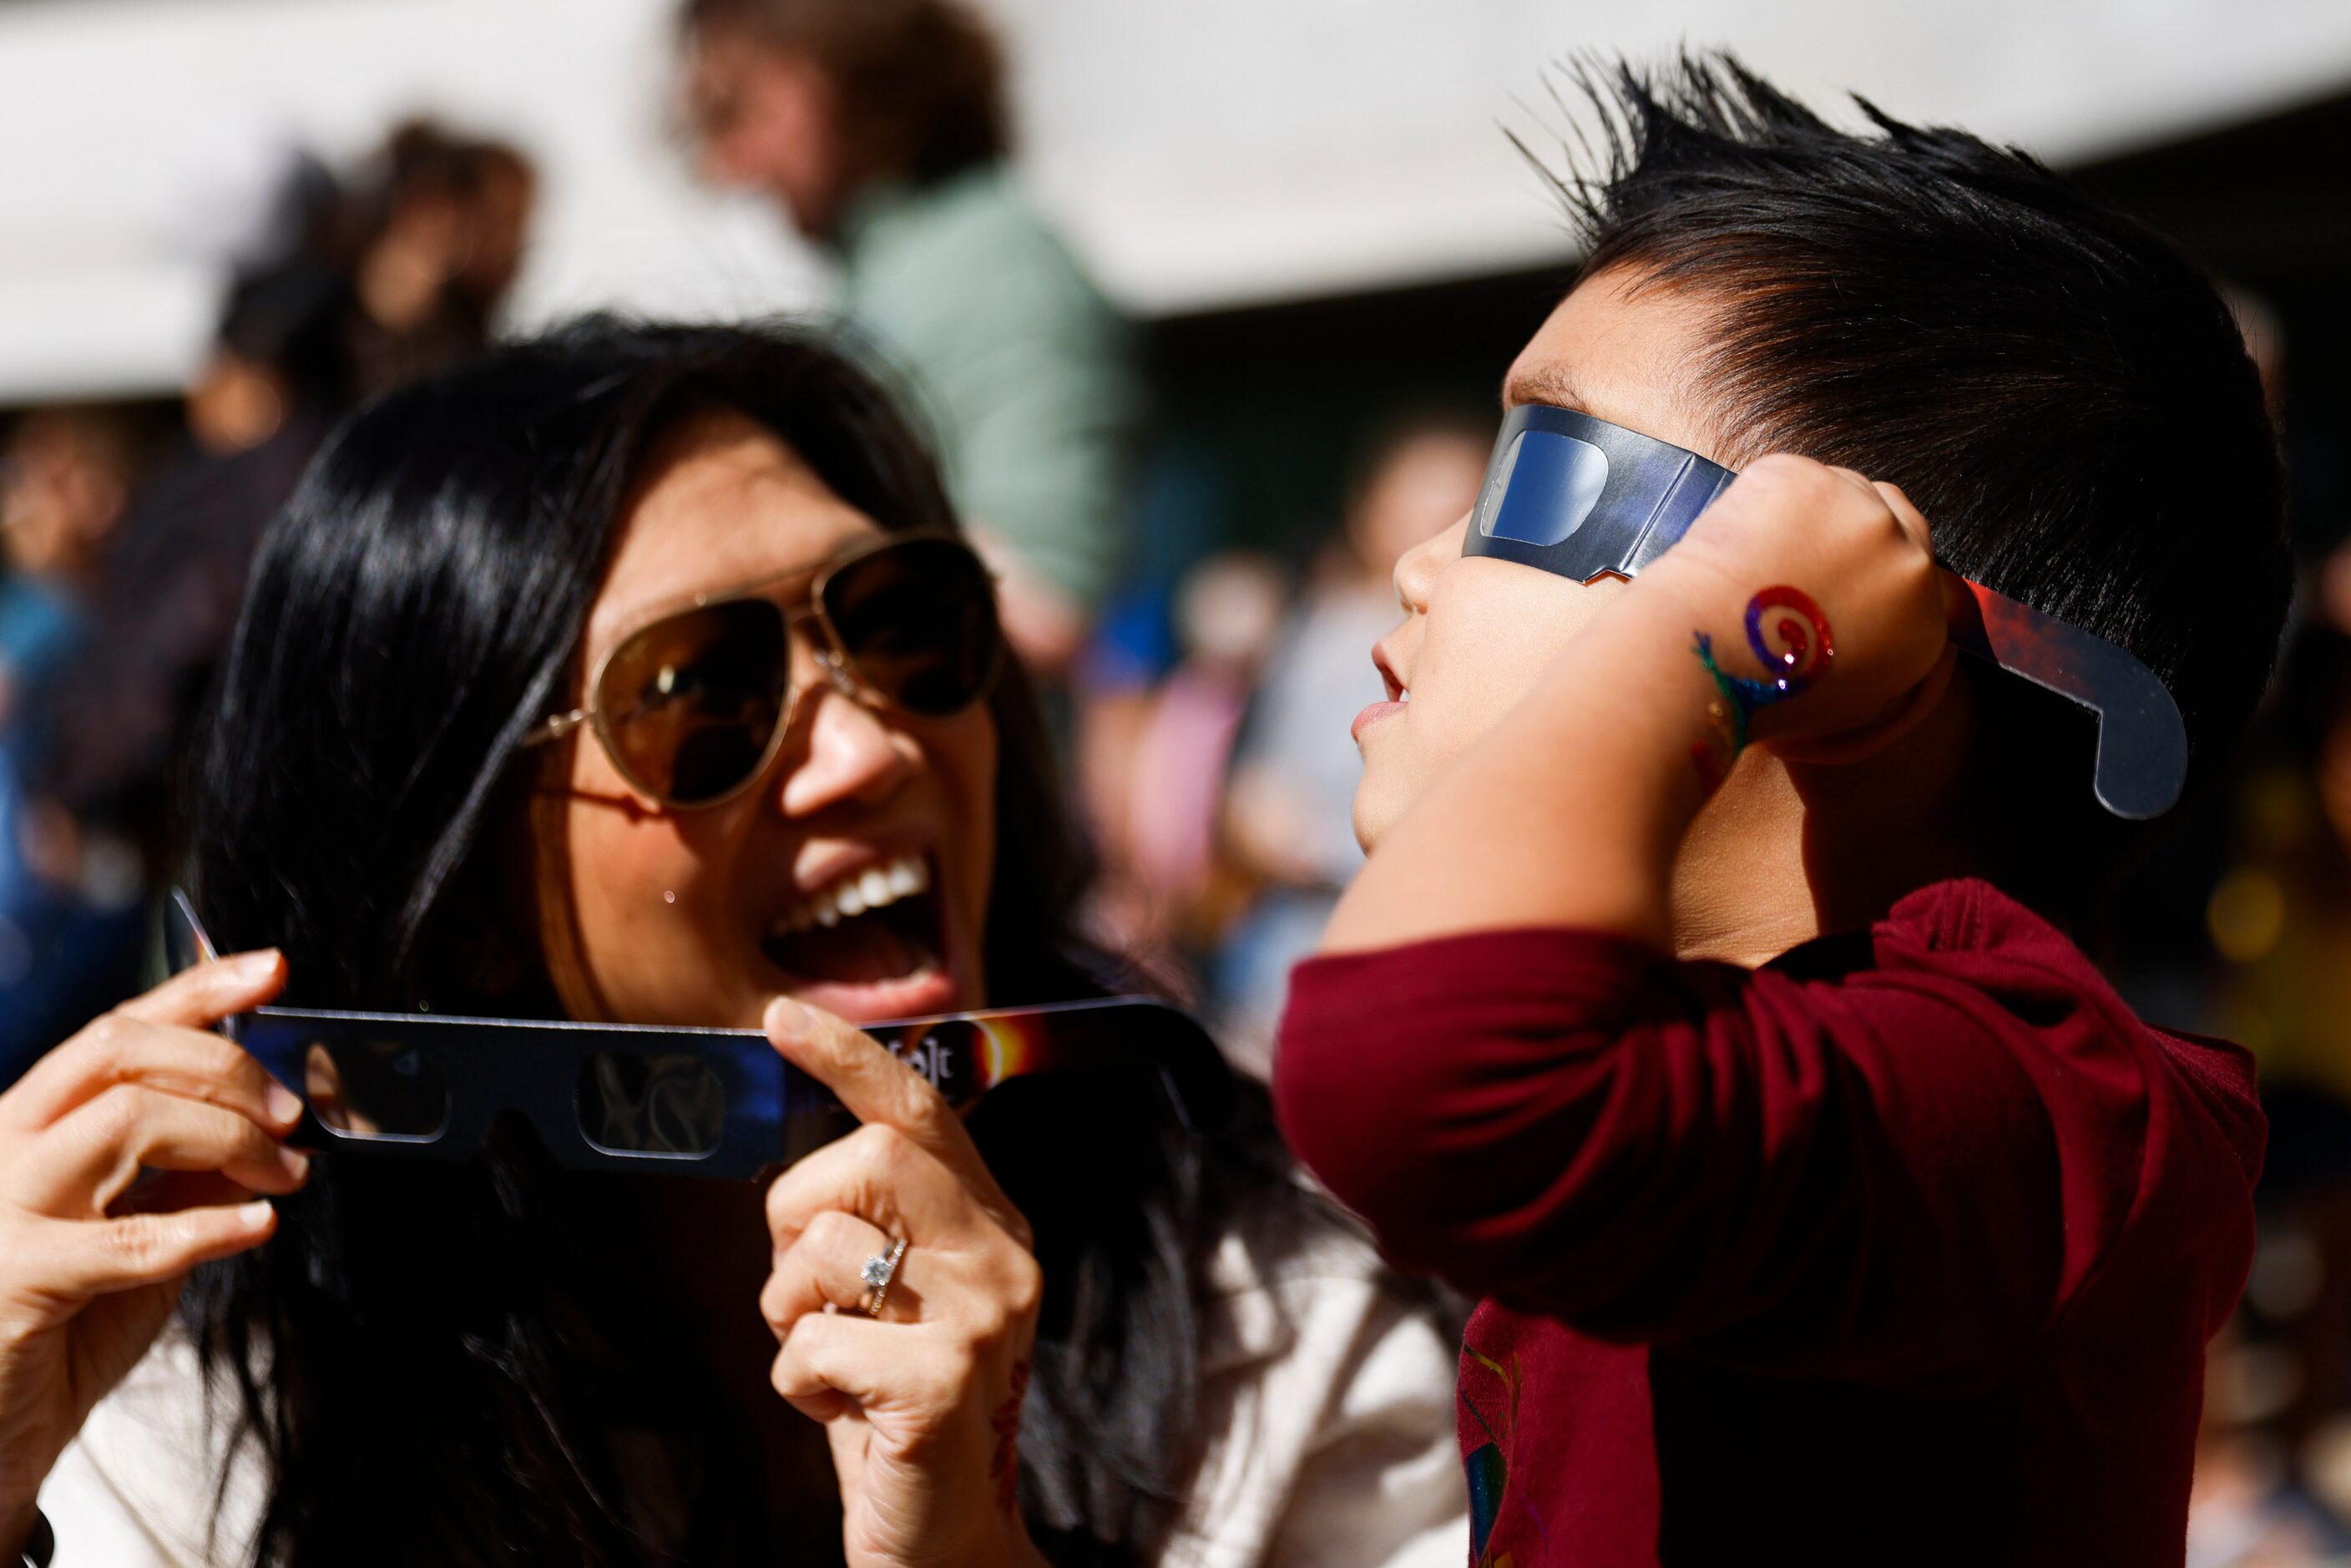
point(918, 620)
point(691, 703)
point(651, 1104)
point(376, 1088)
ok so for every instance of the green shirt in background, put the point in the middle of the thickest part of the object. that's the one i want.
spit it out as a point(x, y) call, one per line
point(1017, 361)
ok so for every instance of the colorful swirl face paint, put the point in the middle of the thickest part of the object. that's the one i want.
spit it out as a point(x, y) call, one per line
point(1787, 634)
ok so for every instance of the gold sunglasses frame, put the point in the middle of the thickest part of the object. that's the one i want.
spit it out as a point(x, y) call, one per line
point(832, 657)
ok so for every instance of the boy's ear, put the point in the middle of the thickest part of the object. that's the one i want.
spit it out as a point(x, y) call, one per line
point(1867, 740)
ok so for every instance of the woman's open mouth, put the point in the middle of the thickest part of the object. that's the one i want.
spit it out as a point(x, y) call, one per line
point(870, 944)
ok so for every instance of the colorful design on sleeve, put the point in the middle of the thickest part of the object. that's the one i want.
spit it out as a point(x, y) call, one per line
point(1488, 1466)
point(1787, 634)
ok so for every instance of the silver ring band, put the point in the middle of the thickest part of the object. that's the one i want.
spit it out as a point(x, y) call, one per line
point(879, 1271)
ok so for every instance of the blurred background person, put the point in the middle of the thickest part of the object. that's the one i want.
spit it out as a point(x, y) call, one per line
point(1168, 889)
point(342, 287)
point(880, 129)
point(65, 474)
point(444, 219)
point(1286, 820)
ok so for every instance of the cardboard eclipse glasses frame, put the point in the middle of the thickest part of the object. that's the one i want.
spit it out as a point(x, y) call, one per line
point(691, 1102)
point(1581, 498)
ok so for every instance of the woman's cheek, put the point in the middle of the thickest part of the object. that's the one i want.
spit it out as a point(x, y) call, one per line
point(650, 931)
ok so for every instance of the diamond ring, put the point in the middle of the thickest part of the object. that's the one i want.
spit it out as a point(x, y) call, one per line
point(879, 1271)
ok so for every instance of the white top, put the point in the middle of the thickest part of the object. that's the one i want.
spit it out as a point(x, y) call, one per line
point(1329, 1404)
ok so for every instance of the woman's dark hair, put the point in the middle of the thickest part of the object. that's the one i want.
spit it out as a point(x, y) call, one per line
point(920, 83)
point(413, 612)
point(2068, 400)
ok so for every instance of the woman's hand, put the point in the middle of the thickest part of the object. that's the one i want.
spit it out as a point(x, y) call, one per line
point(923, 1404)
point(91, 1259)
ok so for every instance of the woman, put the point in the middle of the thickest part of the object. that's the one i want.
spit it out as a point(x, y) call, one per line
point(427, 787)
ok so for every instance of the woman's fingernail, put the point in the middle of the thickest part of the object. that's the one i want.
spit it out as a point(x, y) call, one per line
point(285, 1105)
point(787, 1019)
point(296, 1164)
point(255, 966)
point(255, 1215)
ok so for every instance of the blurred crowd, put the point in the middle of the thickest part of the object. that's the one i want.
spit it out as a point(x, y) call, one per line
point(1204, 691)
point(128, 529)
point(2275, 1464)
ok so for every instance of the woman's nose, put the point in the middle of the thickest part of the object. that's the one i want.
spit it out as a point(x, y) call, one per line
point(854, 755)
point(1417, 569)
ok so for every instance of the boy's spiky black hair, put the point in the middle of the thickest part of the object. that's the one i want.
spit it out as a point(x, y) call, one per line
point(2067, 399)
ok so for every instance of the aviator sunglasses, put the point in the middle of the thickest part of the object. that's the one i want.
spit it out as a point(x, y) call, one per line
point(691, 706)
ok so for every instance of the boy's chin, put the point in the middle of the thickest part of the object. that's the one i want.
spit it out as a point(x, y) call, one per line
point(1375, 811)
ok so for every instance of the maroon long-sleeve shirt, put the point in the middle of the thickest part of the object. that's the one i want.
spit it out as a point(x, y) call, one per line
point(1902, 1249)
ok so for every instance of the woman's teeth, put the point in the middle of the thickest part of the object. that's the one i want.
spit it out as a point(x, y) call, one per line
point(875, 887)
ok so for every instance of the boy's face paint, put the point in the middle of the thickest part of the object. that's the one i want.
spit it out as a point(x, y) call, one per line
point(1477, 633)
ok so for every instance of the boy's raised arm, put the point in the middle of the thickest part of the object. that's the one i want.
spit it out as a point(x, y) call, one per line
point(1782, 1168)
point(1571, 1121)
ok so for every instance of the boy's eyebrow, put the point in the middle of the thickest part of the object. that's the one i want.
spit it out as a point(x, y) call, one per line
point(1547, 383)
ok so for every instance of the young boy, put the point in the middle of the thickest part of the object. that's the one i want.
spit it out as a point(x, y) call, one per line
point(1711, 1016)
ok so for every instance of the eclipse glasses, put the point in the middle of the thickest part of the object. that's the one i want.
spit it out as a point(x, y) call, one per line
point(1582, 498)
point(690, 1102)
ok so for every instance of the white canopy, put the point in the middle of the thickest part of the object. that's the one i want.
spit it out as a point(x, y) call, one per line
point(1206, 154)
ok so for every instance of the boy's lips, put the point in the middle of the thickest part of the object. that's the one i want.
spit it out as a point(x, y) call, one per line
point(1372, 714)
point(1398, 693)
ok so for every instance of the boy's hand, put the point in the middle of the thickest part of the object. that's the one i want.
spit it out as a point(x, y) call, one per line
point(1572, 808)
point(1859, 550)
